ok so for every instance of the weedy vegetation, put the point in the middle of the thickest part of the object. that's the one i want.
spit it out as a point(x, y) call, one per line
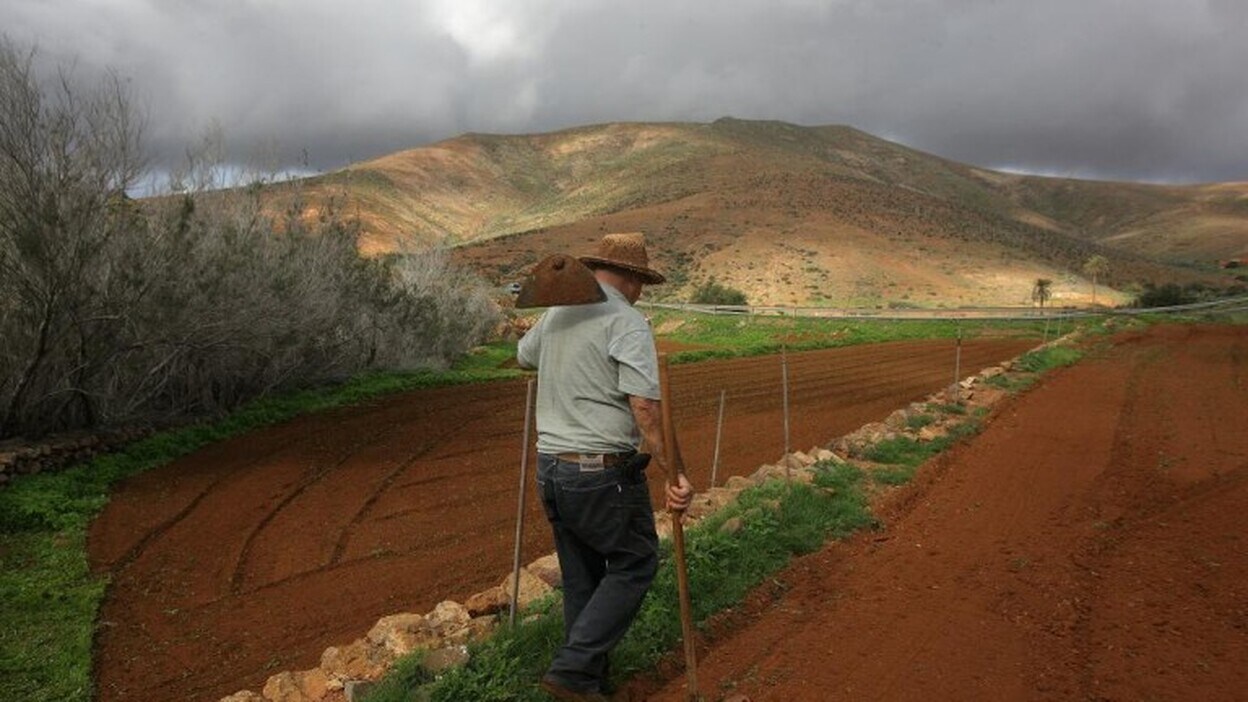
point(918, 421)
point(1034, 363)
point(902, 456)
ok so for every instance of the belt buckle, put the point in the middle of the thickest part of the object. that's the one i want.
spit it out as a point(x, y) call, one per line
point(591, 463)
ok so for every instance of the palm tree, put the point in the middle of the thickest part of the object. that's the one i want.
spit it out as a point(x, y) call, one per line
point(1095, 267)
point(1041, 291)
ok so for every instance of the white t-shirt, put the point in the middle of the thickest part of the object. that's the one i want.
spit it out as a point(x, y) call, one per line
point(589, 359)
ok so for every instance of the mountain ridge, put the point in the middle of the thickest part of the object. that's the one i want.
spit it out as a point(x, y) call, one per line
point(790, 214)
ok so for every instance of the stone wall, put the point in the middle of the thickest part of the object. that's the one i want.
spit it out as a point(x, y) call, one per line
point(19, 457)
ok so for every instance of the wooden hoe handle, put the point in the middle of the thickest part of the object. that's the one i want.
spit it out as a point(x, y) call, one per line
point(676, 469)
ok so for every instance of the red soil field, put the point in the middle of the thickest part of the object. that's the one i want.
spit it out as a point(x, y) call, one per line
point(1088, 545)
point(253, 555)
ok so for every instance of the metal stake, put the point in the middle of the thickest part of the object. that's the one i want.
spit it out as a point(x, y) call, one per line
point(957, 368)
point(719, 432)
point(524, 482)
point(784, 369)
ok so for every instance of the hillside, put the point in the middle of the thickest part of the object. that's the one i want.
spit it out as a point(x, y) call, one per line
point(789, 214)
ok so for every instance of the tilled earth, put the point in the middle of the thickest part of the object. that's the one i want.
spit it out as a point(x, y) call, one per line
point(253, 555)
point(1088, 545)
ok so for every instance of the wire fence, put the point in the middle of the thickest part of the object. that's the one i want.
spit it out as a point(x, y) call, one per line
point(1230, 304)
point(809, 398)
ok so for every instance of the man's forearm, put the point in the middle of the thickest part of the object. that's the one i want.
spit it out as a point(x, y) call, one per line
point(649, 417)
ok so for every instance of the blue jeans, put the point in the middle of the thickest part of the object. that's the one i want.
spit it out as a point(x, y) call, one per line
point(603, 526)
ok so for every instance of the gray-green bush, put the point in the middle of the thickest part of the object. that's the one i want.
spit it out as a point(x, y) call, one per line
point(120, 310)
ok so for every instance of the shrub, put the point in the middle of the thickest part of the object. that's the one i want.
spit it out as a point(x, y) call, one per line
point(714, 293)
point(1172, 294)
point(1048, 358)
point(918, 421)
point(1166, 295)
point(115, 310)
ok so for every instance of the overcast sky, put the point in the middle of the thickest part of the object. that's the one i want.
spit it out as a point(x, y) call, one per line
point(1118, 89)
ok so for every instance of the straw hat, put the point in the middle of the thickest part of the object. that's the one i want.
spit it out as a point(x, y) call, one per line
point(626, 252)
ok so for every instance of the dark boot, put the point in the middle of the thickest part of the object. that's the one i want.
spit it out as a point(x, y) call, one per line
point(556, 689)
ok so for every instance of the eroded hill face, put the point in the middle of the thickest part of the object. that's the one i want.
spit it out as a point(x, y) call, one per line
point(788, 214)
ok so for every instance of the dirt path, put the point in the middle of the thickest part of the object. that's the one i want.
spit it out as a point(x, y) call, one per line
point(1089, 545)
point(254, 555)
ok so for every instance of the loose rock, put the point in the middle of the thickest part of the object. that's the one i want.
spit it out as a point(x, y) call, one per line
point(444, 658)
point(532, 588)
point(303, 686)
point(401, 634)
point(547, 570)
point(488, 601)
point(356, 661)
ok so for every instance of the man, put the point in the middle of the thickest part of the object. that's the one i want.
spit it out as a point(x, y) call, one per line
point(597, 397)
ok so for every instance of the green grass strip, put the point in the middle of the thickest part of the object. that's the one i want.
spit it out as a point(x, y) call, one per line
point(777, 521)
point(1033, 364)
point(733, 336)
point(902, 455)
point(46, 619)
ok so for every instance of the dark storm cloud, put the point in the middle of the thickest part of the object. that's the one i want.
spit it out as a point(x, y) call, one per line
point(1127, 89)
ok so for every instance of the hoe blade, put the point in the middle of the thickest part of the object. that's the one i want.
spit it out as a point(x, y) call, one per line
point(559, 279)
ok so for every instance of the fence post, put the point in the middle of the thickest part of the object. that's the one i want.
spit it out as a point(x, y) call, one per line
point(524, 469)
point(957, 367)
point(719, 432)
point(784, 369)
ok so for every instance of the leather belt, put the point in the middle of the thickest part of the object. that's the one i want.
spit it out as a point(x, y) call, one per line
point(608, 459)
